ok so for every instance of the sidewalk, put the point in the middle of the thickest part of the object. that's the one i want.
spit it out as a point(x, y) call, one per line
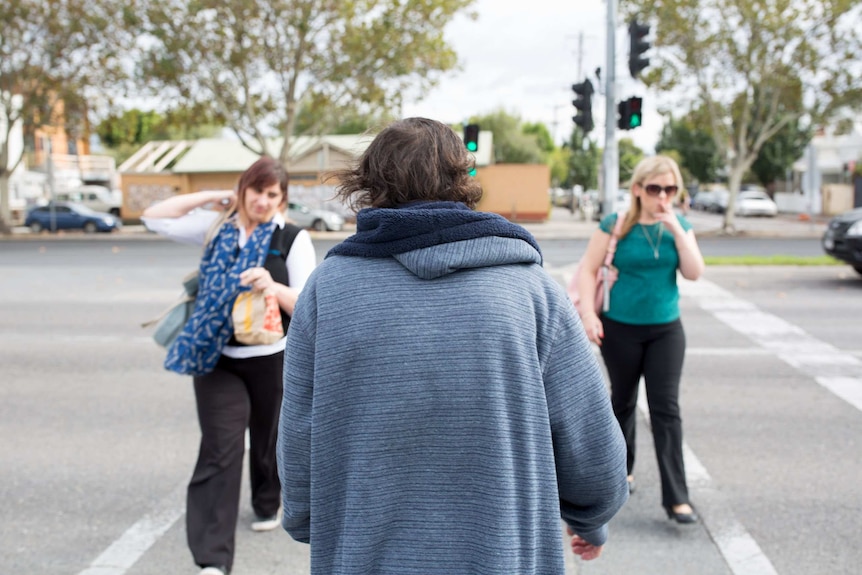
point(562, 225)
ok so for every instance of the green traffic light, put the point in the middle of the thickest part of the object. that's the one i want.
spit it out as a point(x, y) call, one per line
point(472, 146)
point(473, 172)
point(635, 121)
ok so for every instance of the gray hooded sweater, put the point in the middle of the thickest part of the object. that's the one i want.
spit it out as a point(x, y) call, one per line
point(442, 406)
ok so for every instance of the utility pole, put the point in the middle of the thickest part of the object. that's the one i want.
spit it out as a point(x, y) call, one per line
point(580, 52)
point(610, 159)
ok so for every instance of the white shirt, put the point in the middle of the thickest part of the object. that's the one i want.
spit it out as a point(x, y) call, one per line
point(192, 228)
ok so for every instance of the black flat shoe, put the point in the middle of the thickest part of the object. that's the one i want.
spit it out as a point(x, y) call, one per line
point(682, 518)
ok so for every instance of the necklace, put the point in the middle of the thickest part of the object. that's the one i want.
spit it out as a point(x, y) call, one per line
point(656, 247)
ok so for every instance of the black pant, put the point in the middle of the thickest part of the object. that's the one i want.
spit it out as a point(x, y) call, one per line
point(239, 393)
point(656, 352)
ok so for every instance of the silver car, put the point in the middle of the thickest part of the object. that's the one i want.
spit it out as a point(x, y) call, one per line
point(314, 218)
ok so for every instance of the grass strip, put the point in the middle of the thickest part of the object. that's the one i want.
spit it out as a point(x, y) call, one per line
point(776, 260)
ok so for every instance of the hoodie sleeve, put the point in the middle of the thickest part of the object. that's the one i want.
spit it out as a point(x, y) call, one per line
point(588, 445)
point(294, 432)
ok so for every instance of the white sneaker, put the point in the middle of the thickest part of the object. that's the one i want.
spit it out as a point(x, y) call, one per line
point(267, 523)
point(213, 571)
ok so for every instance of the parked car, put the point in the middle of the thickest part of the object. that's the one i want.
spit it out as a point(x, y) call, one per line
point(714, 201)
point(70, 216)
point(320, 220)
point(97, 198)
point(755, 203)
point(843, 238)
point(564, 198)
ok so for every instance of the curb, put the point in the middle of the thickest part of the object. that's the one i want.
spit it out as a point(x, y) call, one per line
point(558, 227)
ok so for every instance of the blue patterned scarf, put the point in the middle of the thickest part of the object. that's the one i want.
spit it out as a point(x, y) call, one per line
point(198, 347)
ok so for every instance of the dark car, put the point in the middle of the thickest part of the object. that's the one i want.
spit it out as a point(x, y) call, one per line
point(843, 238)
point(70, 216)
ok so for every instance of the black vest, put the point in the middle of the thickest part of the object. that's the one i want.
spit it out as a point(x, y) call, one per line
point(279, 247)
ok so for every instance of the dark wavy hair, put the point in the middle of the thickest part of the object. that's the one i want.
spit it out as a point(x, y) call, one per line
point(414, 159)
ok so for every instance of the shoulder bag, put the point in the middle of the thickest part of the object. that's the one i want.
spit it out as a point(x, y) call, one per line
point(605, 276)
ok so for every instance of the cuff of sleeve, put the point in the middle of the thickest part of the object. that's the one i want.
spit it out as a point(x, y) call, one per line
point(597, 537)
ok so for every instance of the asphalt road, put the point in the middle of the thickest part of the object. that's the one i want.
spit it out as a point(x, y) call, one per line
point(99, 440)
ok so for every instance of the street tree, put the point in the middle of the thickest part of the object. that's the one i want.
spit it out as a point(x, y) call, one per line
point(123, 132)
point(584, 161)
point(695, 146)
point(258, 62)
point(629, 155)
point(779, 152)
point(543, 136)
point(512, 144)
point(57, 59)
point(556, 158)
point(755, 67)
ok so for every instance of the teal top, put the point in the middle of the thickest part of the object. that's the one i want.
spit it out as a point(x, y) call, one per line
point(645, 292)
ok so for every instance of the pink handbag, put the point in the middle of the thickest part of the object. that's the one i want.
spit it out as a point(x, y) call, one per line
point(605, 276)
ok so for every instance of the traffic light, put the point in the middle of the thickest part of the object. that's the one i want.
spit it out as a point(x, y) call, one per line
point(637, 46)
point(631, 113)
point(584, 104)
point(471, 137)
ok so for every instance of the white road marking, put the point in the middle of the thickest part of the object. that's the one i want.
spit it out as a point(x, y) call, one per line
point(838, 371)
point(125, 551)
point(739, 549)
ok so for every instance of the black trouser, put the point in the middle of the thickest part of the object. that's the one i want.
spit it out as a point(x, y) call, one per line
point(239, 393)
point(656, 352)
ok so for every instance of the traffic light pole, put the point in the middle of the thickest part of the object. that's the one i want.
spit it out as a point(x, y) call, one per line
point(610, 158)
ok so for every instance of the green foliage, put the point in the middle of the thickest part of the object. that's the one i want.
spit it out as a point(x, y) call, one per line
point(629, 155)
point(258, 63)
point(780, 151)
point(696, 148)
point(559, 160)
point(777, 260)
point(122, 134)
point(512, 145)
point(130, 127)
point(313, 117)
point(542, 135)
point(584, 161)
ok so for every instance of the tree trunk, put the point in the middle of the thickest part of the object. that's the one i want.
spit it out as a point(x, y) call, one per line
point(5, 212)
point(737, 169)
point(734, 181)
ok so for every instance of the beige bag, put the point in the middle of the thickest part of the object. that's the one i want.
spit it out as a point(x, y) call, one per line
point(257, 318)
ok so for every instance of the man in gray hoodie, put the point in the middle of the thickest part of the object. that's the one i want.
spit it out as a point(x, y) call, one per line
point(442, 406)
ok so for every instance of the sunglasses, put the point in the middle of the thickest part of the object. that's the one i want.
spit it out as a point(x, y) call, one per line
point(655, 189)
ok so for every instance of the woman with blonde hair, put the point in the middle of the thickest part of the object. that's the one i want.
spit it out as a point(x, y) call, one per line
point(640, 334)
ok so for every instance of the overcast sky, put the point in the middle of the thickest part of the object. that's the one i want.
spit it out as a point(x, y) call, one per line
point(523, 57)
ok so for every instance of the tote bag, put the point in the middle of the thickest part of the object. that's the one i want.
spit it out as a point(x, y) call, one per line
point(171, 321)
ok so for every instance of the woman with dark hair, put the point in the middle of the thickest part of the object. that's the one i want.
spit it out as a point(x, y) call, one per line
point(641, 334)
point(248, 244)
point(443, 408)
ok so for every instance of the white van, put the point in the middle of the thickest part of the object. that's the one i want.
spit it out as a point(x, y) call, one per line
point(97, 198)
